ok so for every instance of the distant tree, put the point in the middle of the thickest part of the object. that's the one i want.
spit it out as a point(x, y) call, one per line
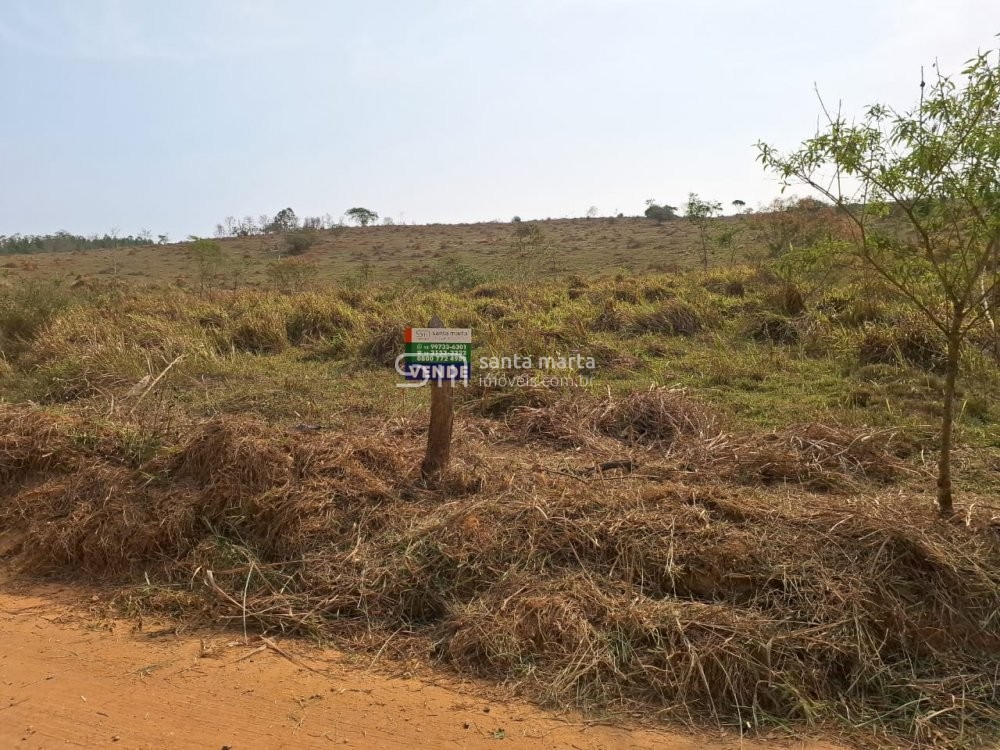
point(926, 208)
point(739, 205)
point(516, 220)
point(700, 212)
point(361, 216)
point(247, 227)
point(592, 212)
point(162, 239)
point(657, 213)
point(284, 221)
point(388, 221)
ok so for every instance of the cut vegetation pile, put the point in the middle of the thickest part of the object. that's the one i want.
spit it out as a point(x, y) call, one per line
point(683, 589)
point(658, 417)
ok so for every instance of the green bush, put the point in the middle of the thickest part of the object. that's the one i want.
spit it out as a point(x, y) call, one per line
point(299, 241)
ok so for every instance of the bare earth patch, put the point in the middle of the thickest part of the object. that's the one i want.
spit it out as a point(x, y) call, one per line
point(70, 677)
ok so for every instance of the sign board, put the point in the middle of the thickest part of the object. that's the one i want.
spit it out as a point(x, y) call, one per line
point(437, 354)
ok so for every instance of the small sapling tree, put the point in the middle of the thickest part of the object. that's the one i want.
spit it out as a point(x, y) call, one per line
point(700, 212)
point(209, 261)
point(921, 188)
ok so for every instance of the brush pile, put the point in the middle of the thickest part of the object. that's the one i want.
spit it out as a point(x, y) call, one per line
point(700, 596)
point(657, 417)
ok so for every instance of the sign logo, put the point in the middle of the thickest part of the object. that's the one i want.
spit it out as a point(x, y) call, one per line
point(441, 355)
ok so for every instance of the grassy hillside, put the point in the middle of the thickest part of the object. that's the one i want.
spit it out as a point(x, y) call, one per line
point(393, 252)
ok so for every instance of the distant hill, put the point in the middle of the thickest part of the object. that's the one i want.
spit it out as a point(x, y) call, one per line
point(550, 247)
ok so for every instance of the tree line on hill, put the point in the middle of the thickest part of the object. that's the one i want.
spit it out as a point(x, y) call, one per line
point(65, 242)
point(287, 221)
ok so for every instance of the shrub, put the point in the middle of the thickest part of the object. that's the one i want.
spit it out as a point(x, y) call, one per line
point(299, 241)
point(454, 276)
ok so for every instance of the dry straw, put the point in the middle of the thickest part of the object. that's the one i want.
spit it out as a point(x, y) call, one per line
point(711, 584)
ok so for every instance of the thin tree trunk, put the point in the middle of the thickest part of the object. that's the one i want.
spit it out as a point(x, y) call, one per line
point(944, 494)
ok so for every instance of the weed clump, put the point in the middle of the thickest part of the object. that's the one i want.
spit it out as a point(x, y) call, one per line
point(314, 317)
point(611, 319)
point(766, 328)
point(25, 309)
point(908, 344)
point(262, 332)
point(672, 317)
point(381, 343)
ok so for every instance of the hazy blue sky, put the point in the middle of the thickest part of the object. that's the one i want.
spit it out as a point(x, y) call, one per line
point(173, 115)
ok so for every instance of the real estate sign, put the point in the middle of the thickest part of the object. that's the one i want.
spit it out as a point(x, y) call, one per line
point(437, 354)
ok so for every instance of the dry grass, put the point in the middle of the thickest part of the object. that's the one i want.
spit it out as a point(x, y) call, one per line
point(655, 417)
point(680, 589)
point(396, 252)
point(818, 456)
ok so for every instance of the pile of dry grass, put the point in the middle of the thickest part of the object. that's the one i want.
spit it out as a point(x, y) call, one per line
point(234, 458)
point(697, 601)
point(499, 402)
point(688, 602)
point(817, 456)
point(105, 519)
point(658, 416)
point(33, 442)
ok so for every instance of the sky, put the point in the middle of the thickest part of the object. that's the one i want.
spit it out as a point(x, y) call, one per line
point(131, 114)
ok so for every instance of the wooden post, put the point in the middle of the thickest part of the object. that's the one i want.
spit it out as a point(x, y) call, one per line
point(442, 420)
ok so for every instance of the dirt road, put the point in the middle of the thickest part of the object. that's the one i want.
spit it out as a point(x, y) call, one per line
point(69, 679)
